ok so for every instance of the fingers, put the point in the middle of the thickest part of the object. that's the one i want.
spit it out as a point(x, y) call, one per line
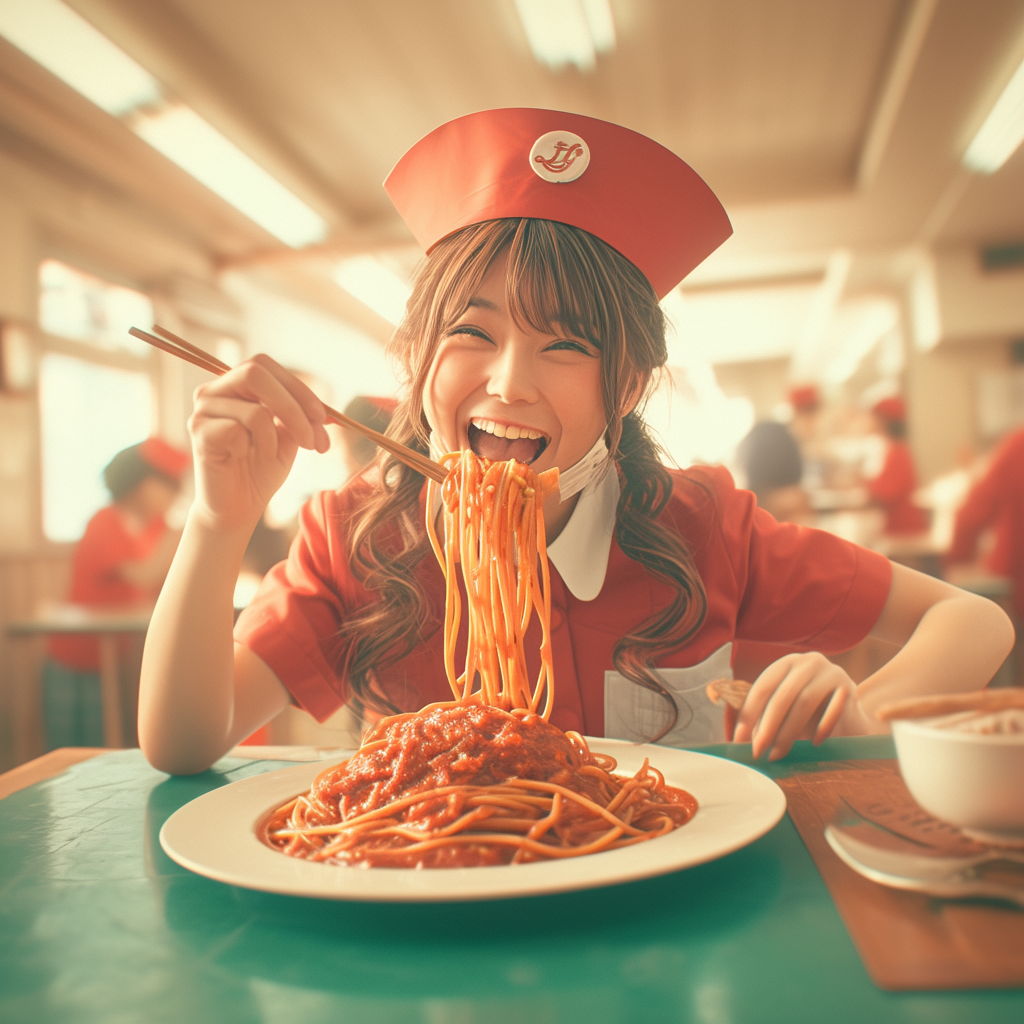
point(831, 715)
point(234, 428)
point(759, 695)
point(264, 382)
point(789, 696)
point(731, 716)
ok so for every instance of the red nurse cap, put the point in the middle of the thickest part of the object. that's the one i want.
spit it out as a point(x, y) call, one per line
point(164, 458)
point(893, 409)
point(621, 186)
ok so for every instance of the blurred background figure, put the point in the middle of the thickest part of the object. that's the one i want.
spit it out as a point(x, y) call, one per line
point(996, 503)
point(374, 412)
point(771, 462)
point(121, 561)
point(893, 485)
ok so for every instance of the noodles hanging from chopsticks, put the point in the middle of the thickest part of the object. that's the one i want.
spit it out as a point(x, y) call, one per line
point(494, 529)
point(484, 779)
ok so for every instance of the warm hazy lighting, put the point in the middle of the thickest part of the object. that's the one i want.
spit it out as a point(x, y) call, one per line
point(1002, 131)
point(197, 147)
point(69, 47)
point(564, 32)
point(374, 284)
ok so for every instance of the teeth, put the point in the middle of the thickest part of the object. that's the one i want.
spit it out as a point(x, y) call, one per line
point(510, 432)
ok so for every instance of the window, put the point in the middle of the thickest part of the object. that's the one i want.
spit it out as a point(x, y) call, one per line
point(76, 305)
point(89, 413)
point(95, 389)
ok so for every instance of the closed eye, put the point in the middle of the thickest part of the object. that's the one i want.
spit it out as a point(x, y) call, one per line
point(470, 330)
point(570, 345)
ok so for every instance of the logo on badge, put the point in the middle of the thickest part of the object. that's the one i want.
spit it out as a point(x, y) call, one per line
point(559, 156)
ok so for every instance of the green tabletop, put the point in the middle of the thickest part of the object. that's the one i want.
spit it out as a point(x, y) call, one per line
point(99, 925)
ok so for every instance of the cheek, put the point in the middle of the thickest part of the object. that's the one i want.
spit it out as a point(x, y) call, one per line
point(453, 377)
point(582, 400)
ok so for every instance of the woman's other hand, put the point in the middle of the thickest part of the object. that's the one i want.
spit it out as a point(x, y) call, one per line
point(800, 696)
point(246, 428)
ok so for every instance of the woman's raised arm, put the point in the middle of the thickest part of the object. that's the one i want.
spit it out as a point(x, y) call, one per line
point(198, 697)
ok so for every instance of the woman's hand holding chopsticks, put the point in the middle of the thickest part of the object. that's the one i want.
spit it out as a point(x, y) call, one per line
point(246, 428)
point(200, 694)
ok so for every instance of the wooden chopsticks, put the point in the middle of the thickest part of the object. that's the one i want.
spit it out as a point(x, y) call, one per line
point(171, 343)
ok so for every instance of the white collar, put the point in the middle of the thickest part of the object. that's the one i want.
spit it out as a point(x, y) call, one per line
point(580, 552)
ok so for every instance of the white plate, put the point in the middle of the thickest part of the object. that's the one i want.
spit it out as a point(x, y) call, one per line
point(215, 835)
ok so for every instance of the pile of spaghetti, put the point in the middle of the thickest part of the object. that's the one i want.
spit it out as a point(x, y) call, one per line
point(483, 779)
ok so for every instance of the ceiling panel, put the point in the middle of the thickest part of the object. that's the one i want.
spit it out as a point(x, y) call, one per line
point(766, 99)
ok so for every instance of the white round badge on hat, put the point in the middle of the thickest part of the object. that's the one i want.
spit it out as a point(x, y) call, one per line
point(559, 156)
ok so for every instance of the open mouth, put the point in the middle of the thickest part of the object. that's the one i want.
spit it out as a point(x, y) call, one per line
point(500, 442)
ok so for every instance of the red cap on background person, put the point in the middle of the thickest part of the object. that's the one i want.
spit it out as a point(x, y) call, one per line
point(165, 458)
point(152, 457)
point(622, 187)
point(892, 409)
point(804, 398)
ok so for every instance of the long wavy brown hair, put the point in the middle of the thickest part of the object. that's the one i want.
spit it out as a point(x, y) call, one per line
point(557, 275)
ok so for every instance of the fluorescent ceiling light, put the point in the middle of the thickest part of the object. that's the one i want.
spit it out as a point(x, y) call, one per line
point(197, 147)
point(374, 284)
point(68, 46)
point(1002, 131)
point(564, 32)
point(73, 50)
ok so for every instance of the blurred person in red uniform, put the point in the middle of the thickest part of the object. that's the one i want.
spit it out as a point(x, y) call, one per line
point(120, 561)
point(996, 501)
point(894, 485)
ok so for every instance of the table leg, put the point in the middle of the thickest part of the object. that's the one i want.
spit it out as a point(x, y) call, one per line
point(110, 691)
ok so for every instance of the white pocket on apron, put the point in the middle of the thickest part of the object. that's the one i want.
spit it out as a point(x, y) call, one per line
point(633, 713)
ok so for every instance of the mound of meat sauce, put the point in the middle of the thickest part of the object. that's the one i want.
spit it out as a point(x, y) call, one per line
point(463, 745)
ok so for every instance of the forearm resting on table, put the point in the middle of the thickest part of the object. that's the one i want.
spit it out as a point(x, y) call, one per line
point(957, 644)
point(189, 714)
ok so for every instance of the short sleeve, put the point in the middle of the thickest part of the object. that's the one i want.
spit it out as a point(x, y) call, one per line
point(292, 623)
point(798, 586)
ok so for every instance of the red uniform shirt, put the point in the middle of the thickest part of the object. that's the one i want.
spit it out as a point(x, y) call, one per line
point(893, 489)
point(997, 501)
point(765, 581)
point(96, 580)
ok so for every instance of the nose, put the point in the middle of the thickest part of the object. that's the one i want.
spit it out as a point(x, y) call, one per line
point(512, 375)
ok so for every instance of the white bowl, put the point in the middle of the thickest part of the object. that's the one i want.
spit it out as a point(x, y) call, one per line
point(971, 780)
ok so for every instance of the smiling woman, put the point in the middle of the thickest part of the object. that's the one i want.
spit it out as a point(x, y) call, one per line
point(534, 325)
point(534, 330)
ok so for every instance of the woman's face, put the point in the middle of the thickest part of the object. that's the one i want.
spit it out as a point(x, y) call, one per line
point(510, 393)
